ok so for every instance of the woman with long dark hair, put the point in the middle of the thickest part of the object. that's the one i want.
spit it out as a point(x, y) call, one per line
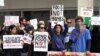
point(12, 52)
point(57, 36)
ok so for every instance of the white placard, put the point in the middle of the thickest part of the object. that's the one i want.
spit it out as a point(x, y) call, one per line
point(41, 41)
point(12, 42)
point(34, 22)
point(10, 20)
point(95, 20)
point(86, 12)
point(27, 38)
point(57, 14)
point(57, 10)
point(1, 2)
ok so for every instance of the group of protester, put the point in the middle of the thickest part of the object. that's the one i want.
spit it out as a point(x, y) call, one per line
point(66, 39)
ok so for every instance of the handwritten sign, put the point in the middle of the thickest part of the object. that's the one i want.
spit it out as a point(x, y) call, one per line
point(57, 14)
point(40, 41)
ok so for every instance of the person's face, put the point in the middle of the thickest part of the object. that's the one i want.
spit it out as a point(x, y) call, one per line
point(69, 22)
point(79, 23)
point(58, 29)
point(24, 22)
point(31, 32)
point(42, 28)
point(13, 31)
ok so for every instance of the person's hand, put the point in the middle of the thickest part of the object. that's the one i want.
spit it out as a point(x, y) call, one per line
point(18, 24)
point(64, 18)
point(87, 53)
point(50, 18)
point(33, 42)
point(22, 42)
point(4, 24)
point(64, 50)
point(48, 41)
point(68, 34)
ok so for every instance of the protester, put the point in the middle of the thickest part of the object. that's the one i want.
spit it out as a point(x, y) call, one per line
point(27, 47)
point(70, 28)
point(80, 38)
point(41, 28)
point(12, 52)
point(95, 41)
point(57, 37)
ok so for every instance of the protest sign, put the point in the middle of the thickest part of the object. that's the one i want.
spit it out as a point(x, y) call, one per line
point(1, 2)
point(27, 38)
point(57, 14)
point(41, 41)
point(10, 20)
point(12, 41)
point(95, 20)
point(34, 22)
point(86, 12)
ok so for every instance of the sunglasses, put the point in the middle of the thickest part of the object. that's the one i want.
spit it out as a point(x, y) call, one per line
point(69, 22)
point(42, 27)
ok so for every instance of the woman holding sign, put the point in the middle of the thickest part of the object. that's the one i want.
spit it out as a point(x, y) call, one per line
point(41, 28)
point(12, 52)
point(28, 36)
point(57, 36)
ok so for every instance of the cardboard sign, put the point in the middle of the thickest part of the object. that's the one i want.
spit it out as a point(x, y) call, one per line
point(10, 20)
point(95, 20)
point(27, 38)
point(57, 14)
point(41, 41)
point(12, 41)
point(57, 10)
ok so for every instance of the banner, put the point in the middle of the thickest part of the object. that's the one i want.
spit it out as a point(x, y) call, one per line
point(95, 20)
point(41, 41)
point(10, 20)
point(86, 12)
point(34, 22)
point(1, 2)
point(12, 41)
point(57, 14)
point(51, 53)
point(27, 38)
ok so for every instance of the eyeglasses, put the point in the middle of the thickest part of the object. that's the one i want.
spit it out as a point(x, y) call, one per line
point(69, 22)
point(42, 27)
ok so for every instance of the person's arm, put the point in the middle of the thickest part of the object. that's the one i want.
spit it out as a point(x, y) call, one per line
point(50, 30)
point(65, 30)
point(65, 27)
point(88, 40)
point(68, 45)
point(88, 43)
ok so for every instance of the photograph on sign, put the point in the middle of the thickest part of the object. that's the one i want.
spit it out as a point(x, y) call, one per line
point(12, 42)
point(41, 41)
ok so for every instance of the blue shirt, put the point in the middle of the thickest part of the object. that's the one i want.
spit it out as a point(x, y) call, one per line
point(79, 39)
point(57, 40)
